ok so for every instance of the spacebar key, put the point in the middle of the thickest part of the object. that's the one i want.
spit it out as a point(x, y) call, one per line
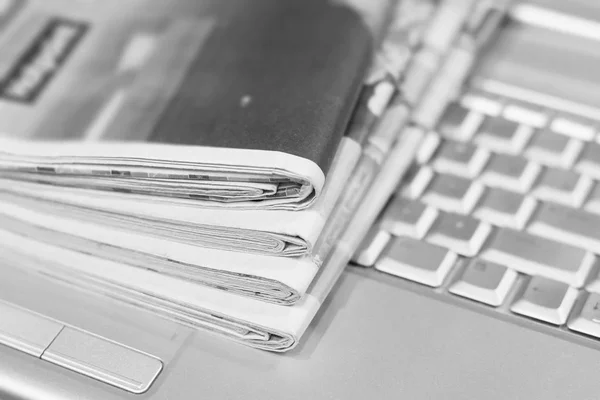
point(534, 255)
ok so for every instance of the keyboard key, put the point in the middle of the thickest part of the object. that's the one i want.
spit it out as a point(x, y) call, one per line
point(534, 255)
point(482, 102)
point(525, 114)
point(587, 320)
point(460, 159)
point(459, 123)
point(573, 127)
point(552, 149)
point(452, 193)
point(589, 162)
point(371, 247)
point(562, 186)
point(567, 225)
point(485, 282)
point(417, 261)
point(594, 283)
point(546, 300)
point(508, 172)
point(593, 201)
point(462, 234)
point(453, 119)
point(503, 136)
point(405, 217)
point(428, 147)
point(417, 181)
point(504, 208)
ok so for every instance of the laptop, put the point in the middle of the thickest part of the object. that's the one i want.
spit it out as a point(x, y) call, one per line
point(478, 280)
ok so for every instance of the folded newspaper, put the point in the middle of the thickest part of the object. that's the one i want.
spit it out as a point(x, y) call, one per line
point(258, 231)
point(273, 279)
point(233, 104)
point(450, 33)
point(180, 241)
point(250, 321)
point(263, 232)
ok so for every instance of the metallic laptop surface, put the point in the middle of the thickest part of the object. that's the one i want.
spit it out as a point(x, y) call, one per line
point(479, 280)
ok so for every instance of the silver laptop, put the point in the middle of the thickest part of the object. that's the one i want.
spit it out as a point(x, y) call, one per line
point(482, 271)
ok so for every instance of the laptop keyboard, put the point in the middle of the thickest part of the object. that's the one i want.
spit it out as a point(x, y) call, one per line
point(502, 208)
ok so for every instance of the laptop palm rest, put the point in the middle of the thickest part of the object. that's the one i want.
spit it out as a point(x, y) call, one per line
point(91, 335)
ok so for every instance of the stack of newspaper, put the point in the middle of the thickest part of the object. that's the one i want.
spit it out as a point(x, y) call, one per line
point(215, 162)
